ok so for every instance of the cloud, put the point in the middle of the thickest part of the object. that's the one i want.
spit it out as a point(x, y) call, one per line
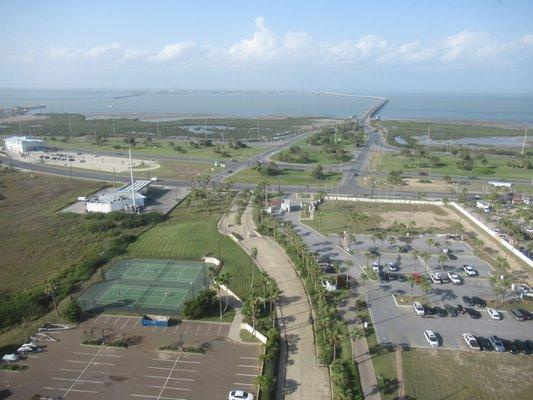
point(467, 45)
point(102, 52)
point(262, 45)
point(61, 52)
point(295, 41)
point(133, 54)
point(173, 51)
point(527, 39)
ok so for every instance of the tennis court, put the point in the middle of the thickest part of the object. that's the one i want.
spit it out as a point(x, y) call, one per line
point(146, 286)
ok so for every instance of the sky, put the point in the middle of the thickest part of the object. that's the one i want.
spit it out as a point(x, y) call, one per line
point(373, 47)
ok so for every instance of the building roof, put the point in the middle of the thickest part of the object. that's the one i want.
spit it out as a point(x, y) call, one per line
point(114, 197)
point(23, 139)
point(137, 186)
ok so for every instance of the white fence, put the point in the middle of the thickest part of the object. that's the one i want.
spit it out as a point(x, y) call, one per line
point(490, 232)
point(392, 201)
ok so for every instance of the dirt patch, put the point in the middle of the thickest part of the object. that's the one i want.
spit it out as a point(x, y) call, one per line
point(424, 219)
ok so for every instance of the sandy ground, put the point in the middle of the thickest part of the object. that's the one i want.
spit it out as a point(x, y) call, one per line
point(414, 183)
point(423, 219)
point(88, 161)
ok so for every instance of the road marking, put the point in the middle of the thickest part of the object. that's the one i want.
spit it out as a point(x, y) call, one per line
point(209, 327)
point(164, 377)
point(254, 375)
point(219, 328)
point(70, 390)
point(79, 380)
point(155, 397)
point(71, 370)
point(168, 378)
point(128, 320)
point(248, 366)
point(164, 388)
point(81, 373)
point(107, 319)
point(116, 321)
point(187, 330)
point(243, 384)
point(249, 358)
point(197, 330)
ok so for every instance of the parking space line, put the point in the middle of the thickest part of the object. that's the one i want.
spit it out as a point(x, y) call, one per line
point(70, 370)
point(116, 321)
point(97, 318)
point(156, 397)
point(76, 361)
point(187, 330)
point(70, 390)
point(243, 384)
point(176, 329)
point(219, 328)
point(128, 320)
point(197, 330)
point(209, 327)
point(189, 362)
point(184, 370)
point(101, 363)
point(164, 387)
point(82, 372)
point(254, 375)
point(248, 366)
point(79, 380)
point(164, 377)
point(107, 319)
point(249, 358)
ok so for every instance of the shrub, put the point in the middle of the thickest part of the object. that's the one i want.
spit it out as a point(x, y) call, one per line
point(201, 305)
point(73, 311)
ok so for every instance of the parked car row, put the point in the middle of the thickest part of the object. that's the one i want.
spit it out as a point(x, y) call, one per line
point(494, 343)
point(454, 311)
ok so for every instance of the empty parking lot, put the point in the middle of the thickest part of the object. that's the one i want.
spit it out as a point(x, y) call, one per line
point(69, 370)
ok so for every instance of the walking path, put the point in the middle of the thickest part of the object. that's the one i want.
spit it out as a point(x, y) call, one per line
point(302, 379)
point(399, 371)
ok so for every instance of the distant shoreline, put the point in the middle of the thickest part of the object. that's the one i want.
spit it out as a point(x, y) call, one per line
point(487, 123)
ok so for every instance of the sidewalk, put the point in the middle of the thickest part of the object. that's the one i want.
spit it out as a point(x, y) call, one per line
point(303, 378)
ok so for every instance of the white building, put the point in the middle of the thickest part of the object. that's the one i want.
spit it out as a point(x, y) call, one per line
point(116, 201)
point(23, 144)
point(483, 205)
point(501, 184)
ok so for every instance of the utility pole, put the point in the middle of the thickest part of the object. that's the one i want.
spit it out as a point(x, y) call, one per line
point(132, 188)
point(524, 143)
point(70, 126)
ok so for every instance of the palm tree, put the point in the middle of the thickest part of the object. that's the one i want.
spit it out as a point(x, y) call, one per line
point(364, 279)
point(273, 296)
point(442, 258)
point(335, 338)
point(224, 279)
point(349, 264)
point(391, 241)
point(412, 281)
point(430, 242)
point(416, 257)
point(51, 291)
point(425, 285)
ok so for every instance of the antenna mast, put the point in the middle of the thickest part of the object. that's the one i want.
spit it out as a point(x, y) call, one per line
point(132, 188)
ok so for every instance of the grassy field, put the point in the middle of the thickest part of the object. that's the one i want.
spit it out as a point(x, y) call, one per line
point(496, 167)
point(58, 125)
point(448, 374)
point(35, 241)
point(182, 170)
point(332, 217)
point(191, 233)
point(158, 147)
point(286, 177)
point(443, 130)
point(317, 154)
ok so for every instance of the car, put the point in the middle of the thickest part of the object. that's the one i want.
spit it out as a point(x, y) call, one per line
point(445, 250)
point(435, 277)
point(494, 314)
point(461, 309)
point(376, 266)
point(451, 310)
point(240, 395)
point(430, 310)
point(400, 249)
point(479, 302)
point(441, 312)
point(521, 346)
point(517, 314)
point(475, 314)
point(383, 276)
point(402, 278)
point(392, 267)
point(468, 301)
point(431, 338)
point(454, 278)
point(469, 270)
point(510, 347)
point(497, 343)
point(419, 308)
point(485, 344)
point(527, 314)
point(471, 341)
point(529, 345)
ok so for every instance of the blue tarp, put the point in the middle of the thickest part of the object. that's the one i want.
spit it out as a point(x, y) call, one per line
point(150, 320)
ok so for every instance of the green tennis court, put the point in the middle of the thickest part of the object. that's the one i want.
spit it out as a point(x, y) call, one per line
point(147, 286)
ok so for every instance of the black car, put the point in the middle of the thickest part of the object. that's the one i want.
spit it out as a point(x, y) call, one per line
point(441, 312)
point(461, 309)
point(521, 346)
point(468, 301)
point(393, 277)
point(383, 276)
point(529, 345)
point(475, 314)
point(485, 344)
point(451, 310)
point(517, 314)
point(479, 302)
point(510, 346)
point(430, 310)
point(527, 314)
point(402, 278)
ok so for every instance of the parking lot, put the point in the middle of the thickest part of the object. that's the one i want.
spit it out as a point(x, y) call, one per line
point(398, 324)
point(68, 369)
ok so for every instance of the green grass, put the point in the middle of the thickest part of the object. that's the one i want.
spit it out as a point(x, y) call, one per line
point(286, 177)
point(496, 167)
point(190, 234)
point(141, 149)
point(317, 154)
point(465, 375)
point(183, 170)
point(442, 130)
point(36, 241)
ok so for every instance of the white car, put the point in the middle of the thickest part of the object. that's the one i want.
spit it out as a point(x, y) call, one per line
point(240, 395)
point(456, 280)
point(494, 314)
point(469, 270)
point(445, 250)
point(375, 266)
point(431, 338)
point(435, 277)
point(392, 267)
point(419, 308)
point(471, 341)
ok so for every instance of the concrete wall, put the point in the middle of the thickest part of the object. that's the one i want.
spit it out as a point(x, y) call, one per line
point(212, 260)
point(262, 338)
point(490, 232)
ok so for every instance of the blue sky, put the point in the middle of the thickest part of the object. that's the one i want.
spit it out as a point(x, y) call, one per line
point(370, 46)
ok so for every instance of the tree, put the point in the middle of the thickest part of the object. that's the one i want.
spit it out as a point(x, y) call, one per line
point(442, 259)
point(447, 179)
point(318, 172)
point(392, 241)
point(334, 339)
point(250, 308)
point(73, 311)
point(395, 178)
point(50, 290)
point(265, 382)
point(411, 280)
point(425, 285)
point(224, 279)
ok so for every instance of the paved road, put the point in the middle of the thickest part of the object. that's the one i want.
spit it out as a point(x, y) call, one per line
point(304, 379)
